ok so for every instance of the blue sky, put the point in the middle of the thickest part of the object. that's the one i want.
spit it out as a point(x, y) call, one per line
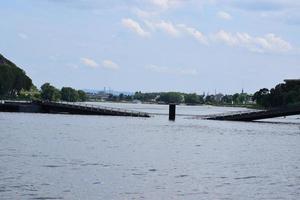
point(154, 45)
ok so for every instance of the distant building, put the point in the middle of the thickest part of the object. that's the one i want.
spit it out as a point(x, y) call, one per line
point(99, 96)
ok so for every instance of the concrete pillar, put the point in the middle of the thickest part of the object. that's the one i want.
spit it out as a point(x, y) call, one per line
point(172, 112)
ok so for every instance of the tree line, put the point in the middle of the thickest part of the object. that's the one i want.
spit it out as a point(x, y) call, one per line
point(15, 84)
point(186, 98)
point(283, 94)
point(51, 93)
point(12, 79)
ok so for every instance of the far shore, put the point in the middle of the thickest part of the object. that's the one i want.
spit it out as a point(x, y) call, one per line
point(249, 106)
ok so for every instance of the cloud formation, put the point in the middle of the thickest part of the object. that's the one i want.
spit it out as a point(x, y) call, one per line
point(167, 27)
point(89, 62)
point(135, 27)
point(108, 64)
point(199, 36)
point(267, 43)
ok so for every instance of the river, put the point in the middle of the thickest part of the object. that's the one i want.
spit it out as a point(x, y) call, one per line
point(52, 156)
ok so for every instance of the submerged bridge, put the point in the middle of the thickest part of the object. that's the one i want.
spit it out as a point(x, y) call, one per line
point(66, 108)
point(256, 115)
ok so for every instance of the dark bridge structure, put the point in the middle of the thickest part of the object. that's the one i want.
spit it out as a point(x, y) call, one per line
point(66, 108)
point(256, 115)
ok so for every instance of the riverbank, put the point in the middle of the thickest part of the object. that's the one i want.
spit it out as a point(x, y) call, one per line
point(249, 106)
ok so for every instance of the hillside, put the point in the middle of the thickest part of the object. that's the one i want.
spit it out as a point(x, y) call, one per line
point(12, 78)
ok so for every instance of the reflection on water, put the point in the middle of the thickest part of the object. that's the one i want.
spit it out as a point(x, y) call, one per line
point(96, 157)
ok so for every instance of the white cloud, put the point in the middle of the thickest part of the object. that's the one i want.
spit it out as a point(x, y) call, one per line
point(167, 27)
point(224, 15)
point(274, 43)
point(23, 36)
point(226, 38)
point(89, 62)
point(169, 70)
point(267, 43)
point(165, 4)
point(194, 33)
point(260, 44)
point(108, 64)
point(135, 27)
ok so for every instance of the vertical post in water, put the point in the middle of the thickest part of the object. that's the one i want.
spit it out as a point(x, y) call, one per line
point(172, 112)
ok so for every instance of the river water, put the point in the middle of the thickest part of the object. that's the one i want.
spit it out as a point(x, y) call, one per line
point(50, 156)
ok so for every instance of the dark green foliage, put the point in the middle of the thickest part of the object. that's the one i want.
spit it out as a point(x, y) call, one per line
point(32, 94)
point(112, 97)
point(121, 97)
point(50, 93)
point(262, 97)
point(210, 99)
point(171, 97)
point(240, 98)
point(283, 94)
point(193, 99)
point(12, 79)
point(81, 95)
point(146, 97)
point(227, 99)
point(161, 97)
point(69, 94)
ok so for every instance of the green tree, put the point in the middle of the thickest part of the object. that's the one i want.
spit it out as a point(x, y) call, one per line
point(191, 98)
point(82, 95)
point(50, 93)
point(145, 96)
point(210, 99)
point(69, 94)
point(227, 99)
point(236, 98)
point(262, 97)
point(32, 94)
point(12, 78)
point(171, 97)
point(282, 94)
point(121, 96)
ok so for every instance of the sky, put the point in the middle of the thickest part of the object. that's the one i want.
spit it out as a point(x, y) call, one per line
point(154, 45)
